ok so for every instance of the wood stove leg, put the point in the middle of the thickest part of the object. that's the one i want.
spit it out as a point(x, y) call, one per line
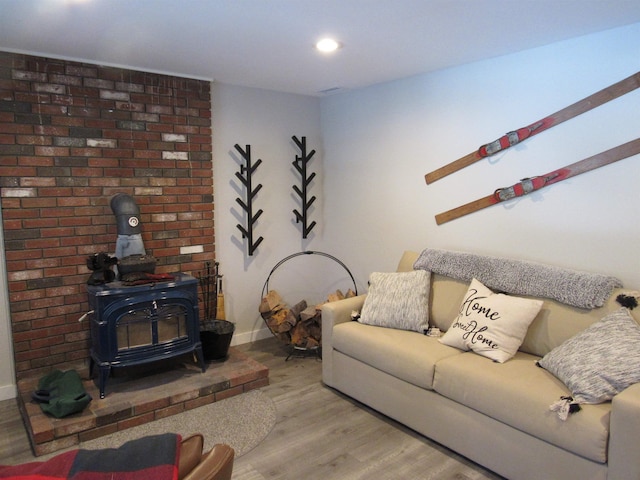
point(200, 357)
point(105, 370)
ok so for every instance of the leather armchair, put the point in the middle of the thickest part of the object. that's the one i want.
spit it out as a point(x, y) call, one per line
point(217, 464)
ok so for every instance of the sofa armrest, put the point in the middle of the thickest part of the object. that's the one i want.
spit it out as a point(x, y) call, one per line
point(624, 435)
point(334, 313)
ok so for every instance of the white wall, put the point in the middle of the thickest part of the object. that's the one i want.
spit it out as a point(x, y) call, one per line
point(265, 120)
point(8, 387)
point(379, 142)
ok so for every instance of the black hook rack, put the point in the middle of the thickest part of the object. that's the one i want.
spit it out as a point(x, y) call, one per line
point(300, 164)
point(244, 175)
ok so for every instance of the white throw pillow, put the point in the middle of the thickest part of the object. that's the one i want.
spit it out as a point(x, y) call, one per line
point(599, 362)
point(491, 324)
point(398, 300)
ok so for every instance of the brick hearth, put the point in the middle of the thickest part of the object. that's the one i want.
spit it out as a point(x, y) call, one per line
point(135, 397)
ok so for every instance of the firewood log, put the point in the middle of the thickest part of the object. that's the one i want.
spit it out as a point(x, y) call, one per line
point(308, 313)
point(294, 312)
point(299, 335)
point(334, 297)
point(314, 329)
point(277, 321)
point(272, 302)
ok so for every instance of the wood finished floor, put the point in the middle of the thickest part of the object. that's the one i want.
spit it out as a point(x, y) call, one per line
point(320, 434)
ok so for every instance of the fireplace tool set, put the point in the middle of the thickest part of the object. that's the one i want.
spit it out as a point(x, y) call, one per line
point(215, 330)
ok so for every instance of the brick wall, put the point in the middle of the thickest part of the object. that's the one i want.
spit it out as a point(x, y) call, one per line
point(72, 135)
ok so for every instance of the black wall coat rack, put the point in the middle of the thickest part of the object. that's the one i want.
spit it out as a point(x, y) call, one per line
point(300, 164)
point(244, 175)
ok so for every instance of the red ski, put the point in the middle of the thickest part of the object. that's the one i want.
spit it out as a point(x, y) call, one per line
point(529, 185)
point(512, 138)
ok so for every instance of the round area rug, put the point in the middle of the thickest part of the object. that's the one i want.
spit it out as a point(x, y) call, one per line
point(242, 421)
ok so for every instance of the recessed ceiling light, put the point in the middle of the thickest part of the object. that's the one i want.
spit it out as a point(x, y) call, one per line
point(328, 45)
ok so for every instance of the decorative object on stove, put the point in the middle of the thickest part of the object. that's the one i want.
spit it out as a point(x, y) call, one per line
point(100, 264)
point(244, 175)
point(141, 278)
point(129, 245)
point(136, 264)
point(215, 331)
point(127, 214)
point(300, 164)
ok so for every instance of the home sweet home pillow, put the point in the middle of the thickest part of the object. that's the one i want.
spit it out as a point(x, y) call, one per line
point(398, 300)
point(491, 324)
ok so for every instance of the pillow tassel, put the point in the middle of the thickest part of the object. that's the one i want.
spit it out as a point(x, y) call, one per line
point(628, 301)
point(564, 407)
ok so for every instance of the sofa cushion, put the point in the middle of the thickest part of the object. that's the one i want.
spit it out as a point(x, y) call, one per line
point(518, 393)
point(409, 356)
point(554, 324)
point(601, 361)
point(398, 300)
point(491, 324)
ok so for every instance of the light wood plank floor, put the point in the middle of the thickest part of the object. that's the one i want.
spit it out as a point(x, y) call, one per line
point(319, 434)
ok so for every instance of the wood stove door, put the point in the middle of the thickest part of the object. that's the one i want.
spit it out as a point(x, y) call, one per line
point(151, 326)
point(141, 332)
point(135, 332)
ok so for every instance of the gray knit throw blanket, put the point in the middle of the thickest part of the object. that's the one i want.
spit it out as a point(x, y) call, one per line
point(576, 288)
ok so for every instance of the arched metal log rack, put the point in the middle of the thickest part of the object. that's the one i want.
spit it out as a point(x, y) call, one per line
point(294, 349)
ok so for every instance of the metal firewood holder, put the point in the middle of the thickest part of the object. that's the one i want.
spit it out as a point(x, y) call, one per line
point(297, 350)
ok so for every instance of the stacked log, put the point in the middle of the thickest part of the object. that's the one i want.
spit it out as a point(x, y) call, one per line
point(299, 325)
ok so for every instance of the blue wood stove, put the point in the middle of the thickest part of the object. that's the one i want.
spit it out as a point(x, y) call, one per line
point(133, 325)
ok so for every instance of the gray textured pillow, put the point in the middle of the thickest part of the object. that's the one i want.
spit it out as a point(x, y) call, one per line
point(398, 300)
point(599, 362)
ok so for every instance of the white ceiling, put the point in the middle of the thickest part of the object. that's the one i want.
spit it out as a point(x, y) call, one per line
point(269, 43)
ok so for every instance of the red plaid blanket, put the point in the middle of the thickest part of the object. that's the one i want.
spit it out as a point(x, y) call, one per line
point(148, 458)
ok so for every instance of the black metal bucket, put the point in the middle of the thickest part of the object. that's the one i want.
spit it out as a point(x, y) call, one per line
point(215, 336)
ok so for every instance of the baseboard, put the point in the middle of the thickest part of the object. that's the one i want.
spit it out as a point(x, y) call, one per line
point(252, 336)
point(8, 391)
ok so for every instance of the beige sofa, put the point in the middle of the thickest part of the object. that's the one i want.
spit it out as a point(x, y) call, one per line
point(496, 414)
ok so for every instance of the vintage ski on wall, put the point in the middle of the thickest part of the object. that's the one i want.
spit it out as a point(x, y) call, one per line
point(529, 185)
point(512, 138)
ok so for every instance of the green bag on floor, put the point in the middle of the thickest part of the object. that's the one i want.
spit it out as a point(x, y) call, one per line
point(61, 393)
